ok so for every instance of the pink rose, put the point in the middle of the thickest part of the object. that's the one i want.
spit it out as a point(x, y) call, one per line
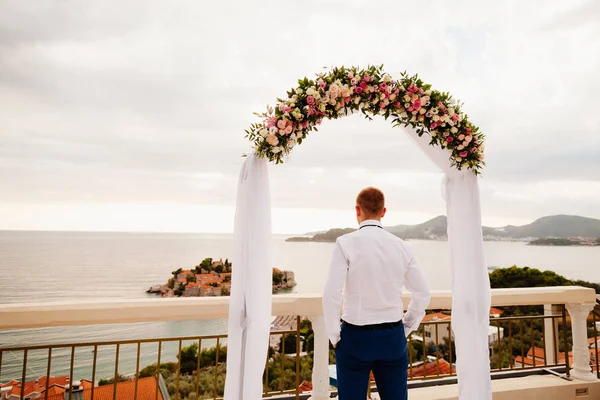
point(322, 85)
point(383, 86)
point(450, 139)
point(281, 124)
point(281, 132)
point(319, 121)
point(272, 122)
point(288, 130)
point(353, 81)
point(382, 105)
point(367, 78)
point(416, 104)
point(463, 154)
point(398, 105)
point(421, 117)
point(412, 88)
point(386, 94)
point(310, 100)
point(358, 90)
point(473, 150)
point(363, 85)
point(304, 125)
point(455, 117)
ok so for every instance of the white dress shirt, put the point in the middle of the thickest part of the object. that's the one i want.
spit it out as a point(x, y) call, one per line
point(368, 271)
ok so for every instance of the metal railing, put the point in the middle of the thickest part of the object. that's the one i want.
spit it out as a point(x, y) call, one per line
point(161, 368)
point(434, 356)
point(595, 320)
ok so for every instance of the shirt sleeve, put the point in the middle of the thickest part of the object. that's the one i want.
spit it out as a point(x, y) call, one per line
point(415, 282)
point(332, 296)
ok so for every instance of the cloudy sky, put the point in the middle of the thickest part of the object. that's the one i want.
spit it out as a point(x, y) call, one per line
point(130, 115)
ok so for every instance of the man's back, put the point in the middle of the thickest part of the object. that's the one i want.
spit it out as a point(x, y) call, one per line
point(377, 264)
point(369, 269)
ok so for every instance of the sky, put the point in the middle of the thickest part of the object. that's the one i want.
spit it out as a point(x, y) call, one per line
point(130, 116)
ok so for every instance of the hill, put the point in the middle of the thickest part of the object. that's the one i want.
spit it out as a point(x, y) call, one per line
point(555, 226)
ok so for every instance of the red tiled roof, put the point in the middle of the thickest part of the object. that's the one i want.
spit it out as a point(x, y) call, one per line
point(49, 381)
point(55, 390)
point(439, 366)
point(436, 317)
point(305, 387)
point(125, 391)
point(494, 311)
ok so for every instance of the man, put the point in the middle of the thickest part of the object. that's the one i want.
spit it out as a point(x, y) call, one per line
point(368, 271)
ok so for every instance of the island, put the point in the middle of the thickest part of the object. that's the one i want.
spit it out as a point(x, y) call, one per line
point(212, 278)
point(566, 242)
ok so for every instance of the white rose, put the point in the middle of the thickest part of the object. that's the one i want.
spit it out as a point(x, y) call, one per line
point(273, 130)
point(403, 114)
point(299, 91)
point(293, 136)
point(406, 97)
point(435, 111)
point(375, 101)
point(460, 147)
point(429, 114)
point(450, 122)
point(451, 111)
point(386, 78)
point(465, 143)
point(362, 105)
point(452, 101)
point(263, 132)
point(422, 111)
point(357, 100)
point(454, 130)
point(322, 107)
point(406, 105)
point(276, 150)
point(413, 119)
point(468, 139)
point(428, 92)
point(458, 159)
point(392, 97)
point(436, 118)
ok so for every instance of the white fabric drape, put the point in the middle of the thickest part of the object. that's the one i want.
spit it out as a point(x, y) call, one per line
point(471, 294)
point(251, 284)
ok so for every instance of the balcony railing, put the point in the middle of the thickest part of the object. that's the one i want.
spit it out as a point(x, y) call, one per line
point(517, 343)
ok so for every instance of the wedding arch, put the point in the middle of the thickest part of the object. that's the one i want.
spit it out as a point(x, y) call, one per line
point(437, 124)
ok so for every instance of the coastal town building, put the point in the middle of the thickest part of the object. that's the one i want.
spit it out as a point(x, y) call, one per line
point(212, 278)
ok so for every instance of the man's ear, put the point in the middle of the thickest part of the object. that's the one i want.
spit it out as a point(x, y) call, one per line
point(358, 211)
point(383, 212)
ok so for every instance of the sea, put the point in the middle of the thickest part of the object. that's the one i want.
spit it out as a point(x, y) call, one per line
point(40, 267)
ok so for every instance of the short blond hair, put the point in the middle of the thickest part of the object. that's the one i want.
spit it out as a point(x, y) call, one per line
point(372, 201)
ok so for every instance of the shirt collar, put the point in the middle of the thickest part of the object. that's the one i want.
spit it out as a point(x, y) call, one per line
point(371, 222)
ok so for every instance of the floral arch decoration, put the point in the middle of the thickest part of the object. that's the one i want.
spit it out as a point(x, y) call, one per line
point(455, 145)
point(341, 91)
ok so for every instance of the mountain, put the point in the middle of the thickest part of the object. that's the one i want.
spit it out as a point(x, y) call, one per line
point(329, 236)
point(555, 226)
point(559, 226)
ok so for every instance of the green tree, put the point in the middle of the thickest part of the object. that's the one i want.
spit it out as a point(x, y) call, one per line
point(219, 269)
point(189, 359)
point(177, 272)
point(277, 277)
point(120, 378)
point(225, 291)
point(191, 278)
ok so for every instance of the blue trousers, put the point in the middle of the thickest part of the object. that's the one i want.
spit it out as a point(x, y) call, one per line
point(382, 351)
